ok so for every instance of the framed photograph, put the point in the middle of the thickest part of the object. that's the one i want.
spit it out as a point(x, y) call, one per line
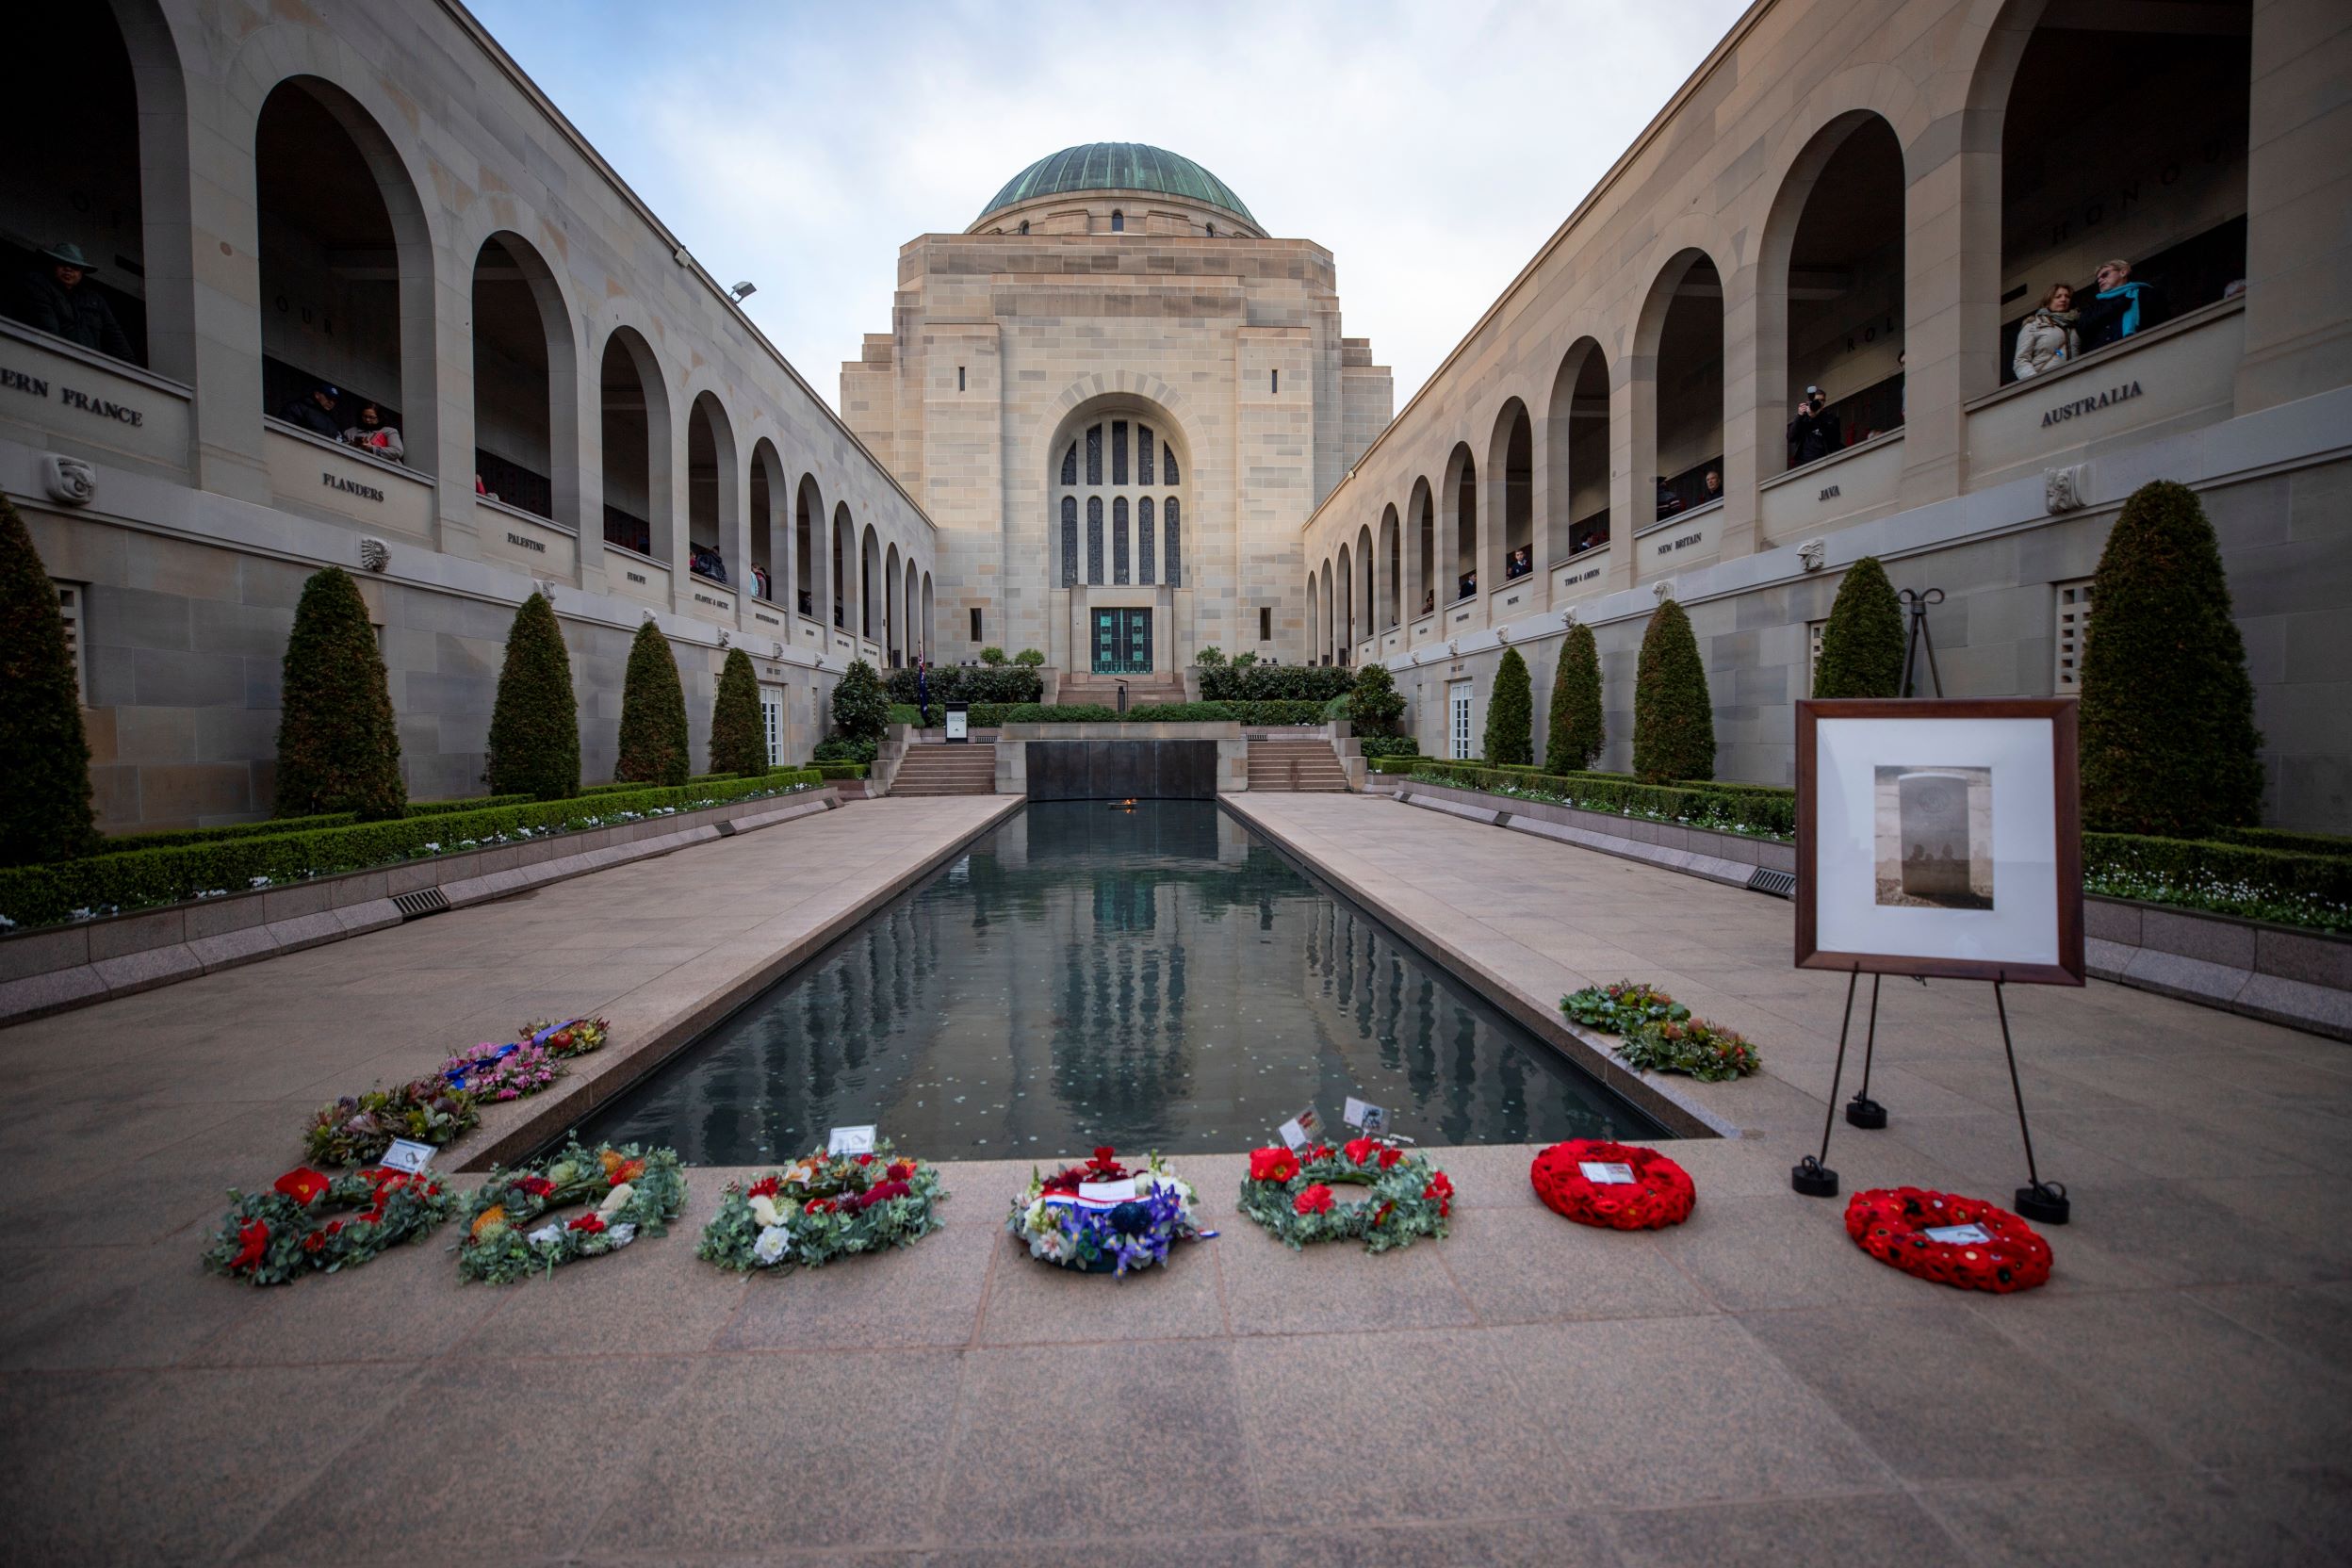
point(1939, 836)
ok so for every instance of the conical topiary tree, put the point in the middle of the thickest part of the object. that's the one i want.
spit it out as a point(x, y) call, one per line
point(1862, 646)
point(1510, 714)
point(338, 744)
point(1577, 729)
point(737, 742)
point(1375, 707)
point(534, 726)
point(1674, 725)
point(653, 742)
point(2169, 740)
point(44, 803)
point(861, 709)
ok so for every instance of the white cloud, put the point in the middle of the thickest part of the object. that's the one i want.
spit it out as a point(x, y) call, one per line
point(1431, 148)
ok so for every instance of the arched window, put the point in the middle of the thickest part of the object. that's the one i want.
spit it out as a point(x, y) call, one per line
point(1143, 542)
point(1167, 468)
point(1119, 221)
point(1125, 526)
point(1143, 454)
point(1069, 541)
point(1094, 455)
point(1094, 540)
point(1212, 231)
point(1025, 226)
point(1118, 541)
point(1175, 543)
point(1069, 464)
point(1119, 451)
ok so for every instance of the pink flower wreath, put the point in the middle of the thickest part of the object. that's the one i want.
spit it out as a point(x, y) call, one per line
point(1891, 1224)
point(1659, 1195)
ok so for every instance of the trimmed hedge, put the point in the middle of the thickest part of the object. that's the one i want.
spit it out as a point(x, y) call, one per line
point(1511, 713)
point(1673, 722)
point(739, 741)
point(45, 794)
point(2280, 838)
point(1005, 683)
point(534, 724)
point(653, 747)
point(840, 770)
point(994, 715)
point(1316, 683)
point(1757, 811)
point(338, 743)
point(1388, 746)
point(2293, 872)
point(1862, 644)
point(170, 838)
point(1579, 727)
point(144, 878)
point(1393, 763)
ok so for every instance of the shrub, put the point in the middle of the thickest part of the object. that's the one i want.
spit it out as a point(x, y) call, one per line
point(2169, 743)
point(739, 742)
point(141, 878)
point(1510, 714)
point(1029, 659)
point(338, 745)
point(907, 713)
point(861, 709)
point(1579, 728)
point(1674, 726)
point(653, 743)
point(1376, 705)
point(1061, 713)
point(1862, 646)
point(833, 748)
point(1245, 658)
point(1747, 808)
point(1210, 658)
point(1388, 746)
point(993, 657)
point(843, 768)
point(1238, 682)
point(970, 683)
point(45, 803)
point(1391, 764)
point(535, 724)
point(1182, 713)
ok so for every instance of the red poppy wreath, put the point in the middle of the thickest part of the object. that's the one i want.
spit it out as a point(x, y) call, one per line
point(1617, 1186)
point(1956, 1241)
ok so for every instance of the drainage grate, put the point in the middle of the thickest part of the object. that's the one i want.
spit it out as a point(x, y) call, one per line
point(1780, 883)
point(726, 829)
point(423, 902)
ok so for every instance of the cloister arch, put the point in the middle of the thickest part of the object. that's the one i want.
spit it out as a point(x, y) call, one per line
point(1392, 569)
point(812, 587)
point(1314, 616)
point(526, 389)
point(1511, 493)
point(891, 605)
point(346, 266)
point(634, 406)
point(712, 520)
point(1343, 605)
point(1830, 287)
point(1678, 426)
point(930, 608)
point(770, 557)
point(870, 591)
point(844, 548)
point(1575, 449)
point(1459, 497)
point(1422, 510)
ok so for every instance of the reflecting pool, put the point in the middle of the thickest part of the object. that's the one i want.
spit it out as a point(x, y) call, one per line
point(1154, 977)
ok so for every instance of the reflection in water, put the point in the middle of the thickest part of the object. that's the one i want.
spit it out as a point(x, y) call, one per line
point(1159, 979)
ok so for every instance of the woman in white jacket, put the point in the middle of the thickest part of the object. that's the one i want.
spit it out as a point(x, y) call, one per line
point(2045, 337)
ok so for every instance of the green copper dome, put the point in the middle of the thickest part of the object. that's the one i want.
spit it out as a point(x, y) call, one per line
point(1118, 166)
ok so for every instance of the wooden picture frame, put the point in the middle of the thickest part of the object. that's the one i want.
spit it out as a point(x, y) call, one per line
point(2005, 903)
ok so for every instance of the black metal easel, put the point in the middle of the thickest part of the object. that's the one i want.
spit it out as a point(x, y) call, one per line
point(1916, 601)
point(2040, 1200)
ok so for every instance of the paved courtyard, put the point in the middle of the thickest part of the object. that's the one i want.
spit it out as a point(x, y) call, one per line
point(1746, 1388)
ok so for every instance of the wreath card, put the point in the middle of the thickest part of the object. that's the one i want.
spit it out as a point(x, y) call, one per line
point(1939, 836)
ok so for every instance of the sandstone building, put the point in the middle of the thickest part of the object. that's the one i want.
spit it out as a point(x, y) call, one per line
point(1119, 398)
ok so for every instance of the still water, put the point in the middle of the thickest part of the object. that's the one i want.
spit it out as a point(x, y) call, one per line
point(1157, 977)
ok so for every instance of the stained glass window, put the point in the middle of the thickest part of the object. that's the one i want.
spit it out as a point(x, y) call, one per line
point(1118, 541)
point(1175, 543)
point(1119, 451)
point(1069, 464)
point(1143, 540)
point(1069, 541)
point(1167, 466)
point(1143, 454)
point(1094, 455)
point(1094, 539)
point(1118, 223)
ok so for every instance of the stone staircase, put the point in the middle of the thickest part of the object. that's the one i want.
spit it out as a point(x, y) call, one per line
point(1308, 765)
point(935, 768)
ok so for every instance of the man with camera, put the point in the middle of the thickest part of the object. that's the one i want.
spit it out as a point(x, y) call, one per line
point(1815, 432)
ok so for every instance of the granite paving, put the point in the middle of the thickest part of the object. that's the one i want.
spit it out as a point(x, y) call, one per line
point(1745, 1388)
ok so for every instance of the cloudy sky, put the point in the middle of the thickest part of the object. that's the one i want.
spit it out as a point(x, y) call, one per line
point(1432, 147)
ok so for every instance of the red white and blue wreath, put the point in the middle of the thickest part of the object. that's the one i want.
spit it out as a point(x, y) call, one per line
point(1106, 1217)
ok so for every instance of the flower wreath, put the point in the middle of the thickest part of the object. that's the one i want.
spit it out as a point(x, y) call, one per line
point(1290, 1194)
point(1063, 1225)
point(634, 1191)
point(1659, 1195)
point(571, 1038)
point(823, 1207)
point(272, 1238)
point(525, 1065)
point(1891, 1224)
point(358, 1128)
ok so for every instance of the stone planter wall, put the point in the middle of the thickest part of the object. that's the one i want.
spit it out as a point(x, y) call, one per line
point(1728, 857)
point(50, 969)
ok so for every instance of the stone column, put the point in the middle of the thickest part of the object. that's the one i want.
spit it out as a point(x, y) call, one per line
point(1751, 402)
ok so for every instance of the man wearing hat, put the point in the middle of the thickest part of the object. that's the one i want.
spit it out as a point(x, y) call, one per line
point(59, 301)
point(314, 412)
point(1814, 433)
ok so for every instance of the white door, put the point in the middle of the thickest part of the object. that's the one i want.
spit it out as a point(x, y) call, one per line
point(1458, 709)
point(771, 717)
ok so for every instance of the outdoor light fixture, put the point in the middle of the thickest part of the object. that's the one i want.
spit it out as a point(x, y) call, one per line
point(742, 291)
